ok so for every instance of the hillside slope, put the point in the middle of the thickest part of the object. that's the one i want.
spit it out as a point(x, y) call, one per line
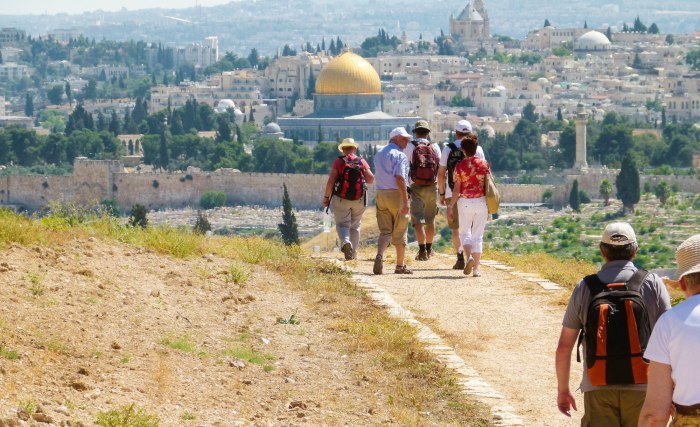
point(231, 337)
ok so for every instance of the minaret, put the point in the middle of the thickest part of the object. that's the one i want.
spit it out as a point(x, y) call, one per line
point(581, 120)
point(426, 96)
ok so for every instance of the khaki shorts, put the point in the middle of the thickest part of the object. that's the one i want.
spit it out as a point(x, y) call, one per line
point(454, 224)
point(686, 421)
point(423, 204)
point(610, 407)
point(390, 221)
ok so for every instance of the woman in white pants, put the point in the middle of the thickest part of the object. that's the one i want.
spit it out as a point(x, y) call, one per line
point(468, 194)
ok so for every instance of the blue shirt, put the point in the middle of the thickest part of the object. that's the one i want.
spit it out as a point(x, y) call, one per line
point(390, 162)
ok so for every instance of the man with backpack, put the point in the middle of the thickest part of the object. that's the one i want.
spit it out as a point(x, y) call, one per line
point(347, 187)
point(423, 157)
point(451, 155)
point(612, 313)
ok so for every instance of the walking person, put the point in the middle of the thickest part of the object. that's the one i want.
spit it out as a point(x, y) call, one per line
point(470, 199)
point(391, 179)
point(347, 193)
point(613, 313)
point(423, 157)
point(674, 351)
point(451, 155)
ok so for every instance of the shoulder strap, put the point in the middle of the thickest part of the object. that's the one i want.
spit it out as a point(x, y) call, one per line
point(452, 146)
point(635, 282)
point(595, 285)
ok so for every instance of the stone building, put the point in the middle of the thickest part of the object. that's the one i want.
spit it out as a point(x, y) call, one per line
point(471, 28)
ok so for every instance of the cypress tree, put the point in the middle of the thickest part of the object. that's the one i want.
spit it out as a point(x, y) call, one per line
point(574, 197)
point(29, 106)
point(163, 157)
point(627, 183)
point(288, 227)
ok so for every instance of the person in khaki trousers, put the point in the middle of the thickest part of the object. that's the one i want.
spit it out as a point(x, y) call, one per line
point(391, 178)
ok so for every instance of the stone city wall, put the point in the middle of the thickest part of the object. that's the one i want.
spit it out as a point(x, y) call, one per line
point(95, 181)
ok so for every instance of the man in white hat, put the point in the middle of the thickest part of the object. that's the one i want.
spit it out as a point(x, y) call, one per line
point(674, 351)
point(347, 182)
point(612, 397)
point(391, 178)
point(451, 155)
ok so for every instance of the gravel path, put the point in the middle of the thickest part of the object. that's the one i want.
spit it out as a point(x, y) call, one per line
point(503, 326)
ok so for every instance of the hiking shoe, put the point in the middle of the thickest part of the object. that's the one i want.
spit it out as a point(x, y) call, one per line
point(378, 265)
point(459, 265)
point(468, 267)
point(347, 250)
point(429, 252)
point(476, 273)
point(422, 255)
point(402, 269)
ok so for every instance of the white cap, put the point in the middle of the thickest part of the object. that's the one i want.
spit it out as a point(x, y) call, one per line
point(618, 234)
point(399, 132)
point(463, 126)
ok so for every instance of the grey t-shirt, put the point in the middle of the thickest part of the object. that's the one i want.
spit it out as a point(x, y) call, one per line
point(653, 292)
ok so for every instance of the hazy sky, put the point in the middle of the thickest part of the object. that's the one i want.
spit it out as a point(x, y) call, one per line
point(36, 7)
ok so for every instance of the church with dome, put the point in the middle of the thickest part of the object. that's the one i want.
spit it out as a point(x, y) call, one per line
point(348, 103)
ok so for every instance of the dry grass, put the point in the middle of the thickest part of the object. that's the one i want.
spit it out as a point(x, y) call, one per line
point(564, 272)
point(417, 384)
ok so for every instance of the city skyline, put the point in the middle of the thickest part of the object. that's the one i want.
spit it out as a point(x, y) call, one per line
point(40, 7)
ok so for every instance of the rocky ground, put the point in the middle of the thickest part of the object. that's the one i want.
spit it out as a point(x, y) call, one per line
point(89, 326)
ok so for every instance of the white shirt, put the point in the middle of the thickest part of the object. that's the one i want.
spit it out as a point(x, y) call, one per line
point(675, 341)
point(443, 162)
point(408, 151)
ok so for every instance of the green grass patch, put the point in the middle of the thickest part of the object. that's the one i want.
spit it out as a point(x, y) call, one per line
point(249, 355)
point(183, 344)
point(8, 354)
point(127, 416)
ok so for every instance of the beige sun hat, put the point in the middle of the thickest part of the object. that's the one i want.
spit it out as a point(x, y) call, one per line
point(347, 142)
point(688, 256)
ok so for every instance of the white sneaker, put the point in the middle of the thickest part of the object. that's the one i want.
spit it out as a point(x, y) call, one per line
point(468, 267)
point(477, 273)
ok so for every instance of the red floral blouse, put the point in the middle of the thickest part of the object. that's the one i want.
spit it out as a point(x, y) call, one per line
point(471, 173)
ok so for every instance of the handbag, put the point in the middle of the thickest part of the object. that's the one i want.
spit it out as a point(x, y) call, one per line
point(493, 197)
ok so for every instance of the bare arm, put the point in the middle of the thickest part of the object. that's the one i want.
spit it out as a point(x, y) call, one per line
point(567, 341)
point(657, 405)
point(442, 170)
point(369, 176)
point(455, 196)
point(329, 186)
point(401, 183)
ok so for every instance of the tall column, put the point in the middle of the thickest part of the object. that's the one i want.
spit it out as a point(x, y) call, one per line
point(581, 121)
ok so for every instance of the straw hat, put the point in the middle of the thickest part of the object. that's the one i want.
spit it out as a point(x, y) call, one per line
point(688, 256)
point(347, 142)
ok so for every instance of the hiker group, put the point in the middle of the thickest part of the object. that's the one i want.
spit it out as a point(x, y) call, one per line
point(640, 358)
point(411, 175)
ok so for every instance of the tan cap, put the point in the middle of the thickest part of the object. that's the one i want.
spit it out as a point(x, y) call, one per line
point(619, 234)
point(688, 256)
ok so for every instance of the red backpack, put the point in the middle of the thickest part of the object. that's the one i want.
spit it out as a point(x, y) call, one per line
point(350, 184)
point(424, 164)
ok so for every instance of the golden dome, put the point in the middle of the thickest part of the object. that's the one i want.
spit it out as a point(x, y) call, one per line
point(348, 74)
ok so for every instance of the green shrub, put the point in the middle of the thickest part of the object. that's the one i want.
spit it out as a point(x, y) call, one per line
point(212, 199)
point(138, 216)
point(202, 225)
point(127, 416)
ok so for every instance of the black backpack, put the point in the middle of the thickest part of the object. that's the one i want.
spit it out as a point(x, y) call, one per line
point(456, 155)
point(617, 331)
point(350, 183)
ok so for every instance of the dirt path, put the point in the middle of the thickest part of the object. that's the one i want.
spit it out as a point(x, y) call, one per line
point(503, 326)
